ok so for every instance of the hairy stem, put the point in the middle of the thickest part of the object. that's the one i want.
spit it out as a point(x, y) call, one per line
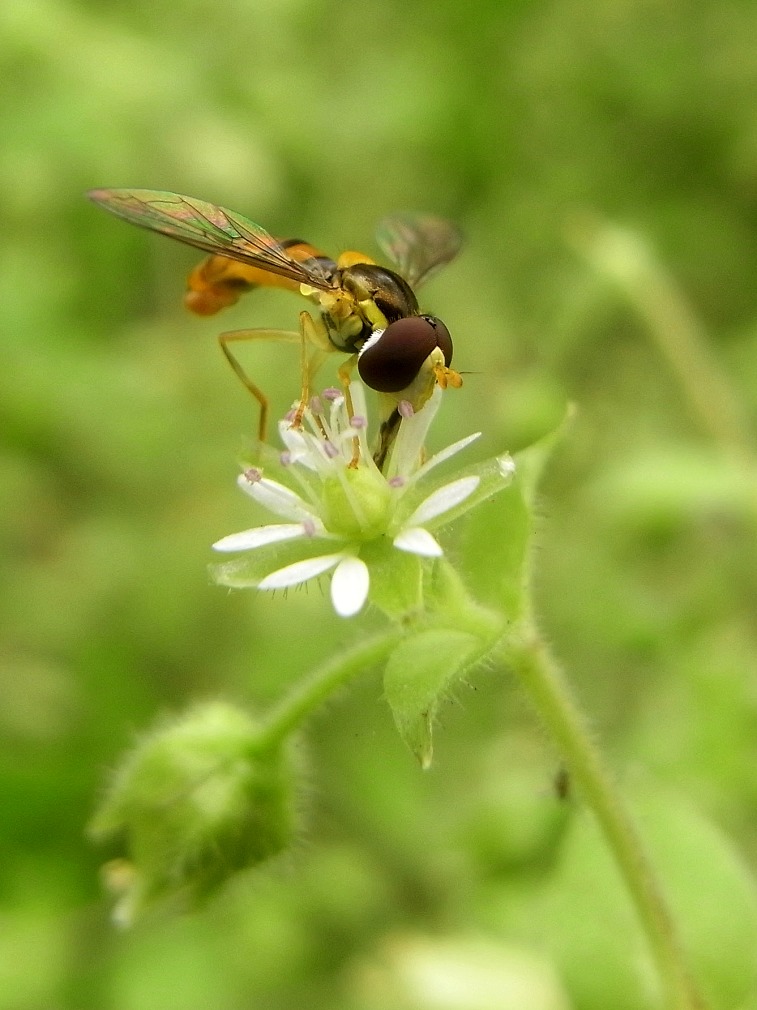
point(308, 693)
point(543, 679)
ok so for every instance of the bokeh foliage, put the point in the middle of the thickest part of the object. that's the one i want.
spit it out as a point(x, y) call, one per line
point(120, 426)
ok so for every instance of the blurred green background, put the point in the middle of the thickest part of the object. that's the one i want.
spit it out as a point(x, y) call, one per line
point(539, 127)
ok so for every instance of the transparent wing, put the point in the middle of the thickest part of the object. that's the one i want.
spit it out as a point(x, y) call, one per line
point(418, 244)
point(212, 229)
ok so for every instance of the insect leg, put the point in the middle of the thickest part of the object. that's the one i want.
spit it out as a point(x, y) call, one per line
point(344, 372)
point(314, 345)
point(224, 339)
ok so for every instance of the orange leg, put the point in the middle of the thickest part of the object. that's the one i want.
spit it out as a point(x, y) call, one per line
point(224, 339)
point(344, 372)
point(314, 345)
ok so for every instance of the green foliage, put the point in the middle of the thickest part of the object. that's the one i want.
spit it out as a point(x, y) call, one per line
point(120, 426)
point(604, 956)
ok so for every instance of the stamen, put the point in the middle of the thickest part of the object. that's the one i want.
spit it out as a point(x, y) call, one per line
point(285, 458)
point(315, 405)
point(396, 481)
point(318, 423)
point(358, 421)
point(331, 394)
point(308, 528)
point(506, 465)
point(253, 474)
point(330, 450)
point(405, 409)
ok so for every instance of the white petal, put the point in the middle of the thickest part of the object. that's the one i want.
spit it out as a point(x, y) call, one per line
point(247, 540)
point(416, 540)
point(276, 498)
point(412, 434)
point(295, 443)
point(443, 499)
point(349, 586)
point(445, 454)
point(299, 572)
point(358, 399)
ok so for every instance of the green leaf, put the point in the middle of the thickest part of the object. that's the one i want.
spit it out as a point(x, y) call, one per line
point(419, 672)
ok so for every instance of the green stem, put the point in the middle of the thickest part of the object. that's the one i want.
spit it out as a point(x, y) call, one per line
point(543, 679)
point(308, 694)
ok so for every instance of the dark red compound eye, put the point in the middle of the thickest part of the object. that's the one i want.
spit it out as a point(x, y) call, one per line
point(389, 363)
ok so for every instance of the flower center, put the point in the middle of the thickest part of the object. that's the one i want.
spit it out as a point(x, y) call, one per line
point(356, 503)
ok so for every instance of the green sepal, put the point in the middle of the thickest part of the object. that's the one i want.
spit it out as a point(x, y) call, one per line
point(247, 570)
point(531, 462)
point(419, 673)
point(499, 537)
point(493, 474)
point(396, 578)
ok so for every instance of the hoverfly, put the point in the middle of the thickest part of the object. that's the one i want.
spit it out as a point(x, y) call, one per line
point(364, 310)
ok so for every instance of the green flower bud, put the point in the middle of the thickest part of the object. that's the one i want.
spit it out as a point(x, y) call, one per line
point(194, 803)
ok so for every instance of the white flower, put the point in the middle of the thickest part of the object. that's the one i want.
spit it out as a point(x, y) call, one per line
point(347, 517)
